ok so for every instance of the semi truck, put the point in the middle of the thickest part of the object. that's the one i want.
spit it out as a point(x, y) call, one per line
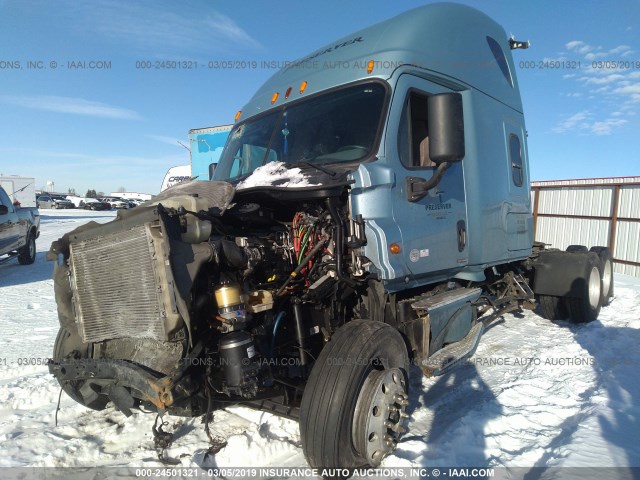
point(368, 219)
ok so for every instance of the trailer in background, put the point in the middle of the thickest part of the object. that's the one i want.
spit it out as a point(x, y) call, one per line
point(22, 189)
point(176, 175)
point(206, 145)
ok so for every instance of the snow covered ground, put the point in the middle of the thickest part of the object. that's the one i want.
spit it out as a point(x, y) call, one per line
point(536, 394)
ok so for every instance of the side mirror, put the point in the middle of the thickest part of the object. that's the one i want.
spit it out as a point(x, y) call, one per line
point(212, 168)
point(446, 128)
point(446, 141)
point(4, 209)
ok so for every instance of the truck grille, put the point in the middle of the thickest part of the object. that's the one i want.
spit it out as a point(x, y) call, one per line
point(115, 293)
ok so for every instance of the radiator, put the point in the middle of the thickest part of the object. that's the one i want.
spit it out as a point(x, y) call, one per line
point(119, 284)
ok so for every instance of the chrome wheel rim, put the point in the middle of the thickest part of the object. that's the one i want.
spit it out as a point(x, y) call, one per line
point(380, 414)
point(594, 288)
point(607, 275)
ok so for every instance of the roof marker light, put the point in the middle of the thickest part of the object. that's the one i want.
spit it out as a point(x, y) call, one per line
point(303, 86)
point(370, 65)
point(287, 93)
point(274, 97)
point(238, 115)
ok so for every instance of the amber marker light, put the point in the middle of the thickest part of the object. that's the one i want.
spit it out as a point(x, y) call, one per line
point(370, 65)
point(274, 97)
point(303, 86)
point(287, 93)
point(394, 248)
point(238, 115)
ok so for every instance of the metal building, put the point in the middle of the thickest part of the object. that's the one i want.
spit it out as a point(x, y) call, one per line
point(591, 211)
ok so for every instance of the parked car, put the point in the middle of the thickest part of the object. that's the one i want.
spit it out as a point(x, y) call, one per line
point(94, 204)
point(62, 202)
point(116, 202)
point(77, 201)
point(53, 201)
point(19, 228)
point(44, 201)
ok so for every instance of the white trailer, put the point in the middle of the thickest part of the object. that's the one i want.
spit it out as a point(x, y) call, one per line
point(176, 175)
point(22, 189)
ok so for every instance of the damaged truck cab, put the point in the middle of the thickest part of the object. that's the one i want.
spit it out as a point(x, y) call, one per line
point(370, 212)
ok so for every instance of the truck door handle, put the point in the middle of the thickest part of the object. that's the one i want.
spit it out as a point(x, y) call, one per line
point(462, 235)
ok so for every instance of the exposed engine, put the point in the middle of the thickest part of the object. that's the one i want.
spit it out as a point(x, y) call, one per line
point(215, 304)
point(270, 293)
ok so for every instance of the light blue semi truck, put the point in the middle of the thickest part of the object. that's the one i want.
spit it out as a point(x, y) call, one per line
point(369, 216)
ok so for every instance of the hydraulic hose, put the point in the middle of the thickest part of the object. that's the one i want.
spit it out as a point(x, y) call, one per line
point(316, 248)
point(338, 240)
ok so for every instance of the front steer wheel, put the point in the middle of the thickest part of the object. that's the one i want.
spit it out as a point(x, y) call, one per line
point(353, 405)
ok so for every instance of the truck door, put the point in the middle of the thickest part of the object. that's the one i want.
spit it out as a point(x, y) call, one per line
point(9, 226)
point(433, 228)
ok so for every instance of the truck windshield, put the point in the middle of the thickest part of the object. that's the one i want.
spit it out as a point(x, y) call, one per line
point(335, 127)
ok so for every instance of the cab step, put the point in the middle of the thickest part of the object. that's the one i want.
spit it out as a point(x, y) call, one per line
point(453, 354)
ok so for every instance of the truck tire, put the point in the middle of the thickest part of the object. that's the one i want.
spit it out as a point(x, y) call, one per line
point(27, 254)
point(577, 249)
point(606, 268)
point(552, 308)
point(353, 404)
point(68, 344)
point(585, 306)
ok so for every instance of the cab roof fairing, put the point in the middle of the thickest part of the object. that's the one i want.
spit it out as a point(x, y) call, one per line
point(447, 39)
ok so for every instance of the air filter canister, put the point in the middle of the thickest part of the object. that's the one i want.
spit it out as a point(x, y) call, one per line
point(236, 351)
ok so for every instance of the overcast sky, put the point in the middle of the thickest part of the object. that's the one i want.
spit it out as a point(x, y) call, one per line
point(118, 125)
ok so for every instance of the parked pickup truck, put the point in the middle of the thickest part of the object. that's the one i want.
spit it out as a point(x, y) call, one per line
point(53, 201)
point(19, 228)
point(370, 211)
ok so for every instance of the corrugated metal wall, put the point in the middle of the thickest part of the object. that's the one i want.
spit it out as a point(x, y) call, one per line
point(593, 211)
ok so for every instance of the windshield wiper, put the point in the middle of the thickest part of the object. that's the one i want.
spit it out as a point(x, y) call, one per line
point(318, 167)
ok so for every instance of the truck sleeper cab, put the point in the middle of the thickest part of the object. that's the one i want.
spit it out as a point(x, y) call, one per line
point(359, 220)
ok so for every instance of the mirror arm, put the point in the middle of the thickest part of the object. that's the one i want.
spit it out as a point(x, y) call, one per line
point(418, 187)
